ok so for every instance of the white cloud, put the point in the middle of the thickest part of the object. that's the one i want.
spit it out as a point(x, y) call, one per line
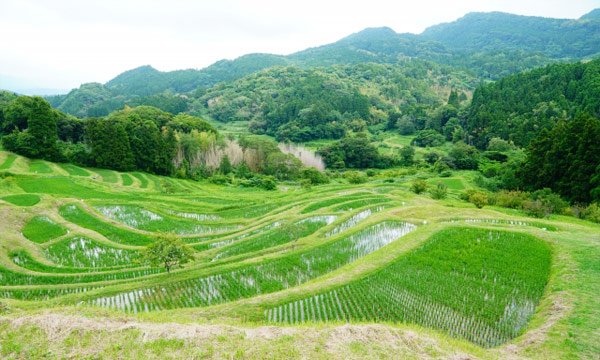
point(62, 43)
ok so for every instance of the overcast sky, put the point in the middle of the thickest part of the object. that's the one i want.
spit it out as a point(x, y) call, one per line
point(60, 44)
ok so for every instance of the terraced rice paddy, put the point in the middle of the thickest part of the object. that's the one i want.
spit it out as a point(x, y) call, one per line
point(335, 253)
point(496, 299)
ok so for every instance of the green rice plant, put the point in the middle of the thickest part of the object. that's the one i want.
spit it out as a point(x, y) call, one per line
point(143, 180)
point(247, 212)
point(143, 219)
point(280, 235)
point(42, 294)
point(108, 176)
point(39, 167)
point(74, 170)
point(9, 277)
point(26, 261)
point(351, 222)
point(127, 180)
point(507, 222)
point(465, 281)
point(82, 252)
point(230, 240)
point(332, 201)
point(10, 159)
point(361, 203)
point(76, 215)
point(62, 185)
point(41, 229)
point(22, 199)
point(250, 280)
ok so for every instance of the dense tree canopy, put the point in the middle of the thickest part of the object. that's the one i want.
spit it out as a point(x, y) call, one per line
point(518, 107)
point(566, 159)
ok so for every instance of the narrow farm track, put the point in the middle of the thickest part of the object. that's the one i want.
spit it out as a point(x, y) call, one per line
point(367, 270)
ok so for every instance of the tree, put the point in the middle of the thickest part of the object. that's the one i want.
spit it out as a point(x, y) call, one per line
point(464, 156)
point(225, 166)
point(109, 144)
point(427, 138)
point(168, 251)
point(407, 156)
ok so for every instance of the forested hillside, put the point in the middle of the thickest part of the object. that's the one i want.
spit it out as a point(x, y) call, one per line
point(520, 106)
point(304, 104)
point(489, 45)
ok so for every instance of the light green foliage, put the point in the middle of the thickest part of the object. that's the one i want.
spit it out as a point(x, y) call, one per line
point(167, 251)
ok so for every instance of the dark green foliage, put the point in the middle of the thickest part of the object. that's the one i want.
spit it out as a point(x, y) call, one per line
point(428, 138)
point(464, 156)
point(302, 104)
point(565, 159)
point(407, 156)
point(109, 144)
point(353, 151)
point(31, 122)
point(518, 107)
point(501, 32)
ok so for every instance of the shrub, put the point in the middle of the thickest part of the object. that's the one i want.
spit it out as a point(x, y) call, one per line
point(314, 176)
point(509, 199)
point(592, 213)
point(439, 192)
point(220, 179)
point(552, 201)
point(478, 199)
point(355, 177)
point(418, 186)
point(536, 208)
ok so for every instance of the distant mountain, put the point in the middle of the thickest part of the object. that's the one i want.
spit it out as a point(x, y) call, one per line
point(496, 31)
point(490, 45)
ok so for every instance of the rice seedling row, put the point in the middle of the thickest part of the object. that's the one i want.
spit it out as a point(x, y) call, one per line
point(11, 278)
point(251, 280)
point(361, 203)
point(76, 215)
point(26, 261)
point(81, 252)
point(353, 221)
point(282, 235)
point(143, 219)
point(464, 281)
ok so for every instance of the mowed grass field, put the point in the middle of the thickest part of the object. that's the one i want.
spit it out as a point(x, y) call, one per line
point(335, 271)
